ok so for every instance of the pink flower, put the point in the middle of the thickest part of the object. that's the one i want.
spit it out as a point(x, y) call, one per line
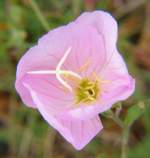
point(74, 73)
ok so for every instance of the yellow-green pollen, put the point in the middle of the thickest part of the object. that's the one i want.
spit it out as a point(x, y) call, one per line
point(87, 91)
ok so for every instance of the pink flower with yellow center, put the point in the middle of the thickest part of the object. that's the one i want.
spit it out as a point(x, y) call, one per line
point(73, 74)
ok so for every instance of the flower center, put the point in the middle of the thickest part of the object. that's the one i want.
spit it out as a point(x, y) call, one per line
point(87, 91)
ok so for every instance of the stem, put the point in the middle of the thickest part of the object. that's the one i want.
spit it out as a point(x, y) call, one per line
point(118, 121)
point(115, 119)
point(125, 132)
point(39, 14)
point(124, 145)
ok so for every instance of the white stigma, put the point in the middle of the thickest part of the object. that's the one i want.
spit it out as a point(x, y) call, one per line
point(58, 72)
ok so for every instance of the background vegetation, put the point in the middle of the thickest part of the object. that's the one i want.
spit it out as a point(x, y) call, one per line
point(23, 132)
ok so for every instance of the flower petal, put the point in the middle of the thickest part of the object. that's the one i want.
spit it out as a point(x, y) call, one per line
point(119, 86)
point(81, 131)
point(53, 94)
point(116, 73)
point(34, 59)
point(86, 46)
point(77, 132)
point(105, 25)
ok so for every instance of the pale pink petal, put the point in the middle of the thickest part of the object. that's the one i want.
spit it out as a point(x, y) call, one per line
point(46, 55)
point(34, 59)
point(81, 131)
point(92, 39)
point(105, 25)
point(77, 132)
point(24, 94)
point(87, 47)
point(53, 94)
point(119, 86)
point(41, 57)
point(120, 89)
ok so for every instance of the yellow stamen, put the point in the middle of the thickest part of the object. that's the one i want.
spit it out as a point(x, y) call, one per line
point(98, 78)
point(87, 91)
point(85, 66)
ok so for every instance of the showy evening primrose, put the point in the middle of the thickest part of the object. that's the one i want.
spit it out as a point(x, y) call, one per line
point(73, 74)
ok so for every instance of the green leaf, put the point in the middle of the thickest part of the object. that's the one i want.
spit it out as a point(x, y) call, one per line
point(134, 113)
